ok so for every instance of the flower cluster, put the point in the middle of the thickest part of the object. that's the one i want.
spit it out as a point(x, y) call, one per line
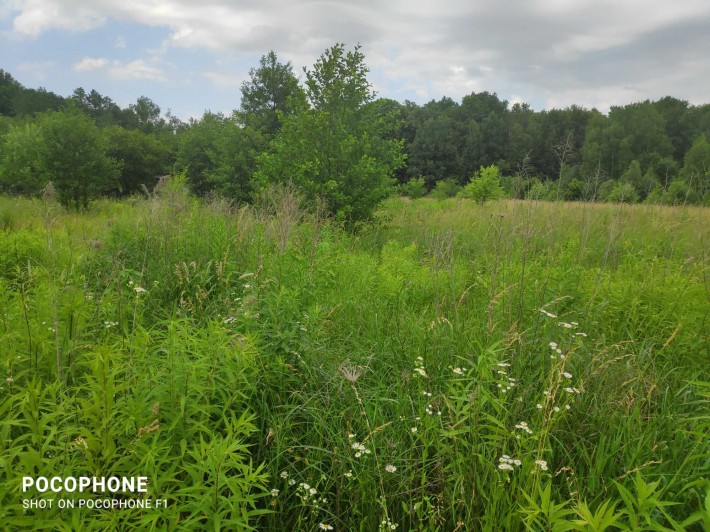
point(506, 463)
point(419, 368)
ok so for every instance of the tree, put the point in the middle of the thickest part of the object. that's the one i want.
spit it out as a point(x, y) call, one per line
point(336, 149)
point(218, 155)
point(696, 166)
point(484, 186)
point(74, 157)
point(271, 89)
point(147, 113)
point(142, 158)
point(21, 169)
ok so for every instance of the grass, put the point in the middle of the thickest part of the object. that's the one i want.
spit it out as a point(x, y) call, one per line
point(266, 370)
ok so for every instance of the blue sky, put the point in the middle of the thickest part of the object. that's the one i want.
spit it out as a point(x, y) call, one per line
point(192, 56)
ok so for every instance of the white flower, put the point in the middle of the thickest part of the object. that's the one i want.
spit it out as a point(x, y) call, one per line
point(503, 365)
point(565, 325)
point(291, 482)
point(421, 371)
point(553, 345)
point(305, 486)
point(556, 408)
point(517, 462)
point(325, 526)
point(349, 474)
point(414, 430)
point(568, 407)
point(312, 491)
point(542, 464)
point(548, 314)
point(458, 371)
point(505, 467)
point(351, 436)
point(140, 290)
point(567, 375)
point(358, 454)
point(538, 406)
point(390, 468)
point(274, 493)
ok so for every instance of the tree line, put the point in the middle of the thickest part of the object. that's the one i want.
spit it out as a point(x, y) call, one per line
point(328, 133)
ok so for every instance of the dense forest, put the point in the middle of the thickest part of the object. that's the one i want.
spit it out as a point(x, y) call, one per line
point(331, 135)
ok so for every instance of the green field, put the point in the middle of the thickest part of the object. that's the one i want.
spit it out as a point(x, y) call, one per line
point(449, 366)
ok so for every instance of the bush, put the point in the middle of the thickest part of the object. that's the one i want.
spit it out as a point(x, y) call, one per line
point(623, 193)
point(484, 186)
point(414, 188)
point(446, 188)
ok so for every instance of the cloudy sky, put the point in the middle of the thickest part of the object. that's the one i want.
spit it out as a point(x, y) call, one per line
point(190, 56)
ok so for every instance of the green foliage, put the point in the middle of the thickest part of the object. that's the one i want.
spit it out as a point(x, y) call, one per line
point(336, 149)
point(414, 188)
point(623, 192)
point(142, 158)
point(21, 160)
point(444, 189)
point(271, 93)
point(484, 185)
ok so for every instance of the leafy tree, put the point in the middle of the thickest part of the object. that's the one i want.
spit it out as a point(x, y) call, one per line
point(336, 149)
point(9, 88)
point(220, 156)
point(623, 192)
point(142, 157)
point(696, 165)
point(21, 169)
point(484, 186)
point(271, 89)
point(74, 157)
point(147, 114)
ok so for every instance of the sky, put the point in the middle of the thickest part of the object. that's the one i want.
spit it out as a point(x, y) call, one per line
point(190, 56)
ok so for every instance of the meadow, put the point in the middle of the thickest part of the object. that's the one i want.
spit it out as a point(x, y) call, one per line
point(449, 366)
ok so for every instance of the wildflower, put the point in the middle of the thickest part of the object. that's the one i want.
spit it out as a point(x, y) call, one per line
point(542, 464)
point(10, 380)
point(505, 467)
point(548, 314)
point(274, 493)
point(414, 430)
point(292, 482)
point(568, 407)
point(517, 462)
point(584, 335)
point(312, 491)
point(140, 290)
point(349, 474)
point(553, 345)
point(458, 371)
point(523, 426)
point(358, 454)
point(503, 365)
point(427, 394)
point(390, 468)
point(284, 474)
point(565, 325)
point(538, 406)
point(325, 526)
point(421, 371)
point(567, 375)
point(556, 408)
point(351, 436)
point(305, 486)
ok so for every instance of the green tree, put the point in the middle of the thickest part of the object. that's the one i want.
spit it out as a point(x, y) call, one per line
point(142, 157)
point(74, 157)
point(484, 186)
point(272, 90)
point(696, 166)
point(21, 169)
point(336, 149)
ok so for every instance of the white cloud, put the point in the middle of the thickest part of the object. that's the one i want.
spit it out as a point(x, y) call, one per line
point(543, 51)
point(137, 69)
point(90, 63)
point(119, 43)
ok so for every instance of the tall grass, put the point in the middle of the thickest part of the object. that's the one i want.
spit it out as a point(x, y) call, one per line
point(449, 367)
